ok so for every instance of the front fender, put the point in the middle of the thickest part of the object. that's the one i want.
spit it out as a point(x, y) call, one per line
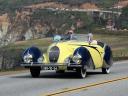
point(84, 54)
point(34, 51)
point(108, 56)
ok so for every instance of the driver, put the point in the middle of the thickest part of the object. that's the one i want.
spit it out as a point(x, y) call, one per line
point(69, 35)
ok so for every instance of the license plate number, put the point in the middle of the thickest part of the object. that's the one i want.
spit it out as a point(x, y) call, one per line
point(50, 68)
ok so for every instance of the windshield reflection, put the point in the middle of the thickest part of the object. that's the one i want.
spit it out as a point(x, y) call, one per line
point(66, 37)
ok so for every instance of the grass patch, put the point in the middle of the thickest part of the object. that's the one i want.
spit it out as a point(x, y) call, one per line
point(118, 43)
point(25, 44)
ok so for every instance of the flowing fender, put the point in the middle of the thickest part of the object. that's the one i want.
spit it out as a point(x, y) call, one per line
point(86, 57)
point(34, 51)
point(108, 57)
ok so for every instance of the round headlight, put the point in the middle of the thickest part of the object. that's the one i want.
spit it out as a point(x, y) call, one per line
point(77, 58)
point(28, 58)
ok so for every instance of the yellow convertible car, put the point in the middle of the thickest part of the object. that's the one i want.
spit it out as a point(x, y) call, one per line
point(65, 55)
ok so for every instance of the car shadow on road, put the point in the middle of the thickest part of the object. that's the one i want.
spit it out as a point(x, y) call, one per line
point(67, 75)
point(54, 75)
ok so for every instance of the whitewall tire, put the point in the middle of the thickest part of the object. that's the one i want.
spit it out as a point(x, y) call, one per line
point(105, 70)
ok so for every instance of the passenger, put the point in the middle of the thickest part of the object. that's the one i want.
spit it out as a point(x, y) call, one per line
point(57, 38)
point(90, 39)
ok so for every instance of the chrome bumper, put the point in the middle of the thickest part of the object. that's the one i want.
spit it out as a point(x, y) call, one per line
point(49, 65)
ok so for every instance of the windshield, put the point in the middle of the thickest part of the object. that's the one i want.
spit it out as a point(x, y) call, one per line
point(78, 37)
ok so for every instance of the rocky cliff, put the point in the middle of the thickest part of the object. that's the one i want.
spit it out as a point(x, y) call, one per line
point(30, 23)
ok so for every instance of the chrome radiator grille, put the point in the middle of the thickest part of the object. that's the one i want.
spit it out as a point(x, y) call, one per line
point(54, 54)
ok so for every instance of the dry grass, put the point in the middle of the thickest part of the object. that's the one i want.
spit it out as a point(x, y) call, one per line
point(41, 43)
point(118, 43)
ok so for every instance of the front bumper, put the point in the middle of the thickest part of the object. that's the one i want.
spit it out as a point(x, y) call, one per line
point(55, 65)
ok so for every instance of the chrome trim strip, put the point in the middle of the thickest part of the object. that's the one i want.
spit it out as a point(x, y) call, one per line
point(50, 65)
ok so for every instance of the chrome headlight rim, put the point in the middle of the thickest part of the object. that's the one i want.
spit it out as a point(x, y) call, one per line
point(28, 58)
point(77, 58)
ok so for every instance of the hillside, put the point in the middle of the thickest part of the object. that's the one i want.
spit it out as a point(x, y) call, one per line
point(8, 5)
point(121, 4)
point(23, 20)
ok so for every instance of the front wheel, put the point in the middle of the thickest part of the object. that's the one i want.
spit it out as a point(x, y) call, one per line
point(35, 72)
point(82, 72)
point(105, 70)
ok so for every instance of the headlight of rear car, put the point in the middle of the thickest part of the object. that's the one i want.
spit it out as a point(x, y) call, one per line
point(28, 58)
point(77, 58)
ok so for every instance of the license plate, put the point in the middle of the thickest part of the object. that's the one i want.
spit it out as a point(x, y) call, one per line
point(50, 68)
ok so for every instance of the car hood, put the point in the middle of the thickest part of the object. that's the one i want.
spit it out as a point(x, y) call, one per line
point(66, 49)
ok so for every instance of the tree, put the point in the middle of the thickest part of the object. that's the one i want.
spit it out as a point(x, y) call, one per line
point(123, 19)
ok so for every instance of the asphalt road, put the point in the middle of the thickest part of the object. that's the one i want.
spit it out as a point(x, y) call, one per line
point(68, 84)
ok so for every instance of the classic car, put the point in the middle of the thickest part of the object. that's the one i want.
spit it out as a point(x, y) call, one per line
point(65, 55)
